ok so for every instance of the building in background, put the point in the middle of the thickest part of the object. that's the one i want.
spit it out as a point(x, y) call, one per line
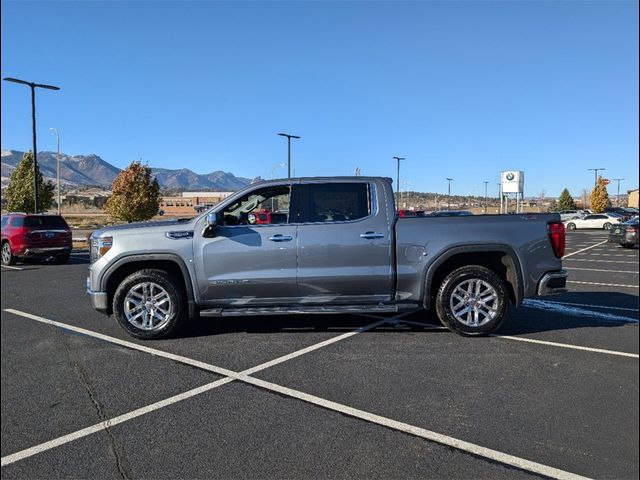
point(190, 202)
point(632, 199)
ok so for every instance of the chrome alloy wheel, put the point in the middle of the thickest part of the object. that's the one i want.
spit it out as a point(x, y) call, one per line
point(474, 302)
point(147, 306)
point(6, 253)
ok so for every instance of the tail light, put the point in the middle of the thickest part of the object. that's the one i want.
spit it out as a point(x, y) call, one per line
point(632, 229)
point(557, 237)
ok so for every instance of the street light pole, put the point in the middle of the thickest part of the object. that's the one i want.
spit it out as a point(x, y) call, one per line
point(595, 171)
point(486, 183)
point(398, 159)
point(55, 130)
point(289, 137)
point(618, 194)
point(33, 87)
point(449, 194)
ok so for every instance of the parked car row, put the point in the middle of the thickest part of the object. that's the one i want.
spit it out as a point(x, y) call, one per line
point(438, 213)
point(626, 234)
point(625, 212)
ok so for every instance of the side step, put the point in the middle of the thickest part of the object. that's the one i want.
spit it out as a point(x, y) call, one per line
point(298, 310)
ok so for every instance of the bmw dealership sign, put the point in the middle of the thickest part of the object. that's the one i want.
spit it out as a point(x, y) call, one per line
point(512, 181)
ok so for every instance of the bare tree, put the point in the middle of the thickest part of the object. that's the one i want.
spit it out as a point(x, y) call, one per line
point(541, 197)
point(585, 197)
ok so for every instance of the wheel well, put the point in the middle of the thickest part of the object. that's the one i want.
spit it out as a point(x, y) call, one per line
point(501, 263)
point(117, 276)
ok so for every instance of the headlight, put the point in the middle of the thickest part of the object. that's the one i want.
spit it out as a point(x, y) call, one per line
point(99, 247)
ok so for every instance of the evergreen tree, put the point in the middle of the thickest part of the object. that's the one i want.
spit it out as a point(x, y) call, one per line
point(566, 202)
point(135, 194)
point(19, 193)
point(600, 197)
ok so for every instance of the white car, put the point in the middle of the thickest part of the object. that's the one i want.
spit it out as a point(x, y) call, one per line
point(596, 220)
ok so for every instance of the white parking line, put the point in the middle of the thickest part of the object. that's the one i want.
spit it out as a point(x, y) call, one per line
point(556, 344)
point(584, 249)
point(603, 284)
point(12, 268)
point(472, 448)
point(598, 261)
point(566, 345)
point(98, 427)
point(600, 270)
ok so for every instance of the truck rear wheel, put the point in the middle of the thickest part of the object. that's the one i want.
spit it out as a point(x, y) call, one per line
point(149, 304)
point(472, 300)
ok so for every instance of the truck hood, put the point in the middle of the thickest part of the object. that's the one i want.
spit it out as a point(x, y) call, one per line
point(184, 224)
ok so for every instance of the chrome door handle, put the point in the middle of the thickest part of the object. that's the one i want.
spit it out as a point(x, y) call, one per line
point(371, 235)
point(281, 238)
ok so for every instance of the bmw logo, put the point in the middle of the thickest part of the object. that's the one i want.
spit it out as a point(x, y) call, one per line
point(510, 176)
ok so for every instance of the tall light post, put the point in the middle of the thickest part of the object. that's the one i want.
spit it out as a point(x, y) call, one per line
point(618, 194)
point(289, 137)
point(33, 87)
point(449, 194)
point(398, 159)
point(595, 171)
point(55, 130)
point(486, 186)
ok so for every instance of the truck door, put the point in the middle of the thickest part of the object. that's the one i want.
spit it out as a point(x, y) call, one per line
point(243, 262)
point(344, 244)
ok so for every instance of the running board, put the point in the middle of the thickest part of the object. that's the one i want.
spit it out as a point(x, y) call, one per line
point(298, 310)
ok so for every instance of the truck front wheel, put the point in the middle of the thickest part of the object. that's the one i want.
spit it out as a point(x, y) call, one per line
point(149, 304)
point(472, 300)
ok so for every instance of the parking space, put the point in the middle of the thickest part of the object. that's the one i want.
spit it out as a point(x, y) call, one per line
point(554, 394)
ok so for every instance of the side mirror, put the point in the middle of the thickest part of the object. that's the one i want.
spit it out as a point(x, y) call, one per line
point(210, 224)
point(212, 219)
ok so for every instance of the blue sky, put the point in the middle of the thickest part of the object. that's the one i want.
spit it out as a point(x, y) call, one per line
point(461, 89)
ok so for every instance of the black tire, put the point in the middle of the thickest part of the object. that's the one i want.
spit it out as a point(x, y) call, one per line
point(606, 226)
point(627, 245)
point(62, 258)
point(7, 255)
point(494, 314)
point(571, 226)
point(176, 299)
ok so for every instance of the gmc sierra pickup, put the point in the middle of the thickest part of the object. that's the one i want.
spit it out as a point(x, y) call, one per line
point(330, 245)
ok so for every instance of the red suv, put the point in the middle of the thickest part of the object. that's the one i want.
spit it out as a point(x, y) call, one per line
point(41, 236)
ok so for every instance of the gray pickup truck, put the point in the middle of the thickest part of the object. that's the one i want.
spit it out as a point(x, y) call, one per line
point(322, 245)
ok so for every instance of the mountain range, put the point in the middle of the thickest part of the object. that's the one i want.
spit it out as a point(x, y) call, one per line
point(91, 170)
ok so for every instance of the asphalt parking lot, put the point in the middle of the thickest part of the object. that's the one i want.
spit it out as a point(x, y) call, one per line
point(553, 394)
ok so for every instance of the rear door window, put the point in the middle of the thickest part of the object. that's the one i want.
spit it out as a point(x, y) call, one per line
point(334, 202)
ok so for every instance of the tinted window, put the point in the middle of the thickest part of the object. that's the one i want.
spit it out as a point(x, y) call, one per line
point(4, 221)
point(17, 221)
point(334, 202)
point(49, 222)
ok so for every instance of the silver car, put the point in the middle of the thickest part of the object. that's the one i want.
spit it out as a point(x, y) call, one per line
point(572, 214)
